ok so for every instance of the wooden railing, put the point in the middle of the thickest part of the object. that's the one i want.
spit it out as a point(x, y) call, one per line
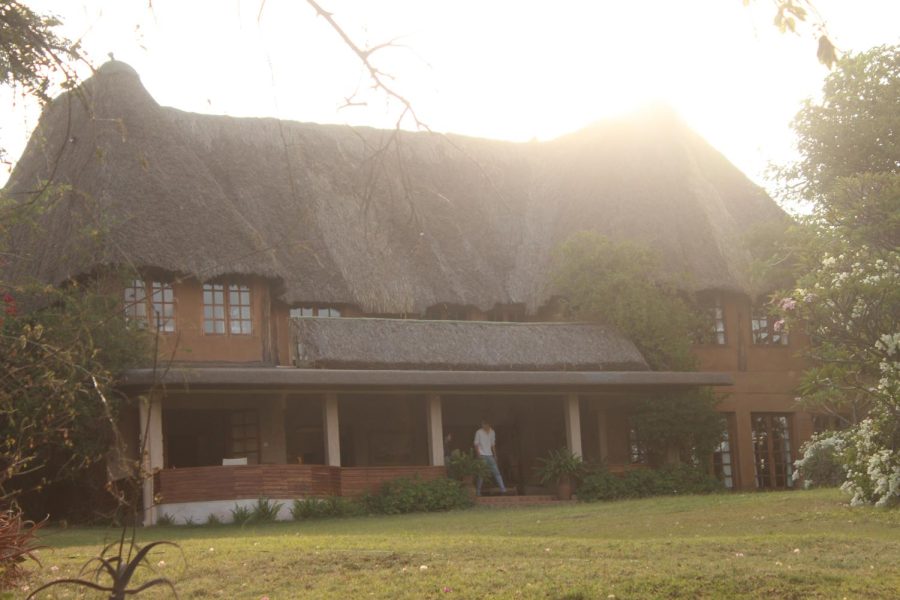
point(286, 482)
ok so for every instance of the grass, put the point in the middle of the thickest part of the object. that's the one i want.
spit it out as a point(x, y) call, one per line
point(775, 545)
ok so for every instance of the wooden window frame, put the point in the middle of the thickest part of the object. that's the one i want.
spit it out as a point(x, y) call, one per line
point(773, 465)
point(315, 311)
point(244, 445)
point(762, 329)
point(227, 309)
point(725, 455)
point(158, 304)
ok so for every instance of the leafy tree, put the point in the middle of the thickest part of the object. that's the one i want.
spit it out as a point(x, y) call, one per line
point(606, 281)
point(612, 283)
point(848, 256)
point(60, 347)
point(58, 410)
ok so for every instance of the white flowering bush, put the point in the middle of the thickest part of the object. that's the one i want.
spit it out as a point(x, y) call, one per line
point(822, 460)
point(845, 262)
point(873, 470)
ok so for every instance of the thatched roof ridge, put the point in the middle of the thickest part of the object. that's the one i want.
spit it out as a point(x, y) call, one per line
point(458, 220)
point(403, 344)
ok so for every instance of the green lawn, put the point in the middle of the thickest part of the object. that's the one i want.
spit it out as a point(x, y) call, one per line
point(776, 545)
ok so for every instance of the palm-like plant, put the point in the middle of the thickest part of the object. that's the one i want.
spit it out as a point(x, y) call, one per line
point(119, 568)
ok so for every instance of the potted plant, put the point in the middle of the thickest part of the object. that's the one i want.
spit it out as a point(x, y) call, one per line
point(465, 467)
point(563, 467)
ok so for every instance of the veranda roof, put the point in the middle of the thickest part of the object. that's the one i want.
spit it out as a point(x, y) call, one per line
point(406, 344)
point(288, 379)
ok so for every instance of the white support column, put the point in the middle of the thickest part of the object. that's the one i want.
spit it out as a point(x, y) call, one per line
point(435, 430)
point(332, 431)
point(152, 444)
point(572, 415)
point(602, 434)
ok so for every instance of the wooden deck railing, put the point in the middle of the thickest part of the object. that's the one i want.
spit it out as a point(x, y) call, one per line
point(286, 482)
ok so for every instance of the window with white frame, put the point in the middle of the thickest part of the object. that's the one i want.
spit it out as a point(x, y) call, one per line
point(714, 325)
point(315, 311)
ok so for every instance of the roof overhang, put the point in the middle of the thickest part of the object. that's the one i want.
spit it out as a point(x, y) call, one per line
point(289, 379)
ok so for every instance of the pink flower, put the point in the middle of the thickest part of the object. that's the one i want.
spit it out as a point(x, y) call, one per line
point(446, 589)
point(788, 304)
point(778, 325)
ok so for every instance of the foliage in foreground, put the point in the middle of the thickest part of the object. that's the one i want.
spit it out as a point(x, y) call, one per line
point(847, 257)
point(18, 542)
point(57, 406)
point(600, 484)
point(118, 568)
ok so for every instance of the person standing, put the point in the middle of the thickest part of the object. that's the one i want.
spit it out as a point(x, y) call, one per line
point(485, 446)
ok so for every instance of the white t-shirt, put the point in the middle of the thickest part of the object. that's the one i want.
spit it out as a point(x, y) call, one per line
point(484, 441)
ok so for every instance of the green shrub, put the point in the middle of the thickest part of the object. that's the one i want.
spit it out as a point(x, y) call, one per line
point(415, 495)
point(265, 511)
point(213, 520)
point(600, 484)
point(558, 464)
point(165, 520)
point(241, 515)
point(324, 508)
point(466, 464)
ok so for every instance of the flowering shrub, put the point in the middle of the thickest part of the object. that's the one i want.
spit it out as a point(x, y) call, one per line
point(873, 469)
point(822, 462)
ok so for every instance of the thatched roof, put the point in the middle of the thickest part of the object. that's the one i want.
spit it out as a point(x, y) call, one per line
point(457, 220)
point(461, 345)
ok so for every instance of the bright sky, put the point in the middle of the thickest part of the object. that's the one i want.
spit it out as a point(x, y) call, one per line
point(508, 69)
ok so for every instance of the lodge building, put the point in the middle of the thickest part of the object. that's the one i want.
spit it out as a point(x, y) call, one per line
point(333, 302)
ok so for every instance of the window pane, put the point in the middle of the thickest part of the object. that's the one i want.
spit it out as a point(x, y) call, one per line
point(220, 326)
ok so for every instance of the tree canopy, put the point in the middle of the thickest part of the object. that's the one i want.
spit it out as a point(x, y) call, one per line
point(847, 257)
point(620, 283)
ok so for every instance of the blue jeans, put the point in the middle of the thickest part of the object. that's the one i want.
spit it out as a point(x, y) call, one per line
point(492, 465)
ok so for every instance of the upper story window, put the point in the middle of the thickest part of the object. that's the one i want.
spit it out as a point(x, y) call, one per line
point(714, 326)
point(315, 311)
point(226, 308)
point(765, 329)
point(156, 309)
